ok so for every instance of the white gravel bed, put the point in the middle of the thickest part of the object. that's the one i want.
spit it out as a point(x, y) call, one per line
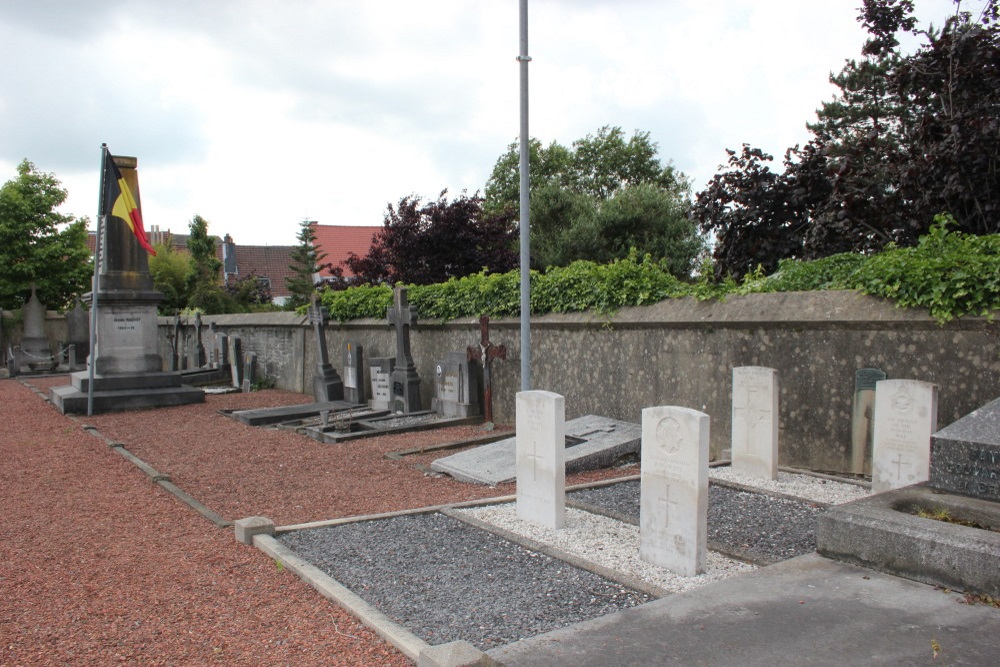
point(808, 487)
point(609, 543)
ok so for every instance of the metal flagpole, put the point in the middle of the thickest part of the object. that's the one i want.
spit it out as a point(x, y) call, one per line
point(95, 286)
point(523, 58)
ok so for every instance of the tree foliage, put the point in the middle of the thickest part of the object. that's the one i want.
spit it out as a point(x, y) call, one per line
point(422, 243)
point(170, 269)
point(307, 262)
point(908, 137)
point(598, 199)
point(39, 245)
point(204, 283)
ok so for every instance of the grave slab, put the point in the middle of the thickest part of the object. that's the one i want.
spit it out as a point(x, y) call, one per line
point(591, 442)
point(673, 505)
point(755, 422)
point(284, 413)
point(541, 458)
point(905, 418)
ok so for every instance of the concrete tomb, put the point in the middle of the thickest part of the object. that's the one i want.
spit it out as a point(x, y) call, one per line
point(381, 379)
point(862, 418)
point(905, 418)
point(35, 352)
point(455, 386)
point(673, 504)
point(590, 442)
point(327, 385)
point(945, 531)
point(354, 373)
point(405, 381)
point(755, 422)
point(541, 452)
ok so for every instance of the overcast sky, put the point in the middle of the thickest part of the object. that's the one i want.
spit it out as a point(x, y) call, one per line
point(256, 114)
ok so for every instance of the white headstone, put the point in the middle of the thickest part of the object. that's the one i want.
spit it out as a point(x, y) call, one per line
point(755, 422)
point(673, 502)
point(541, 458)
point(905, 418)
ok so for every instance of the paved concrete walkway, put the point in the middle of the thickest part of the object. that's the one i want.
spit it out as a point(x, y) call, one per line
point(805, 611)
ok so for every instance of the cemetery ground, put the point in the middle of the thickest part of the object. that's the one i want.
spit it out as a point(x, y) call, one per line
point(98, 564)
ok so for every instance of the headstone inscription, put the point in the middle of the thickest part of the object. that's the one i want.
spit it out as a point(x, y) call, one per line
point(862, 425)
point(755, 422)
point(381, 374)
point(327, 385)
point(905, 418)
point(965, 455)
point(455, 392)
point(541, 454)
point(197, 347)
point(249, 368)
point(405, 381)
point(673, 496)
point(354, 372)
point(236, 357)
point(485, 353)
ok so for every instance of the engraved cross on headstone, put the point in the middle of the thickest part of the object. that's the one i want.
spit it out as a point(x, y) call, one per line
point(666, 502)
point(535, 458)
point(486, 353)
point(899, 463)
point(751, 413)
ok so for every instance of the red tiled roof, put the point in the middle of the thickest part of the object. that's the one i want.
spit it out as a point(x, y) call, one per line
point(337, 241)
point(267, 261)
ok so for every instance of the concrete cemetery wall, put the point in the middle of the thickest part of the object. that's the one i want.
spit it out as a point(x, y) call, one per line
point(682, 352)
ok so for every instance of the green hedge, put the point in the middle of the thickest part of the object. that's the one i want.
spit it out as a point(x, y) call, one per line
point(950, 274)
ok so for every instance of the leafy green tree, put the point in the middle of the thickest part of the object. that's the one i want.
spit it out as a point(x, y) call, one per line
point(424, 243)
point(204, 283)
point(572, 187)
point(307, 262)
point(170, 269)
point(251, 293)
point(39, 245)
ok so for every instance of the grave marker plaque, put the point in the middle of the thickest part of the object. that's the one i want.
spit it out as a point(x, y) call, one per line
point(381, 374)
point(673, 499)
point(354, 372)
point(755, 422)
point(455, 392)
point(541, 456)
point(905, 418)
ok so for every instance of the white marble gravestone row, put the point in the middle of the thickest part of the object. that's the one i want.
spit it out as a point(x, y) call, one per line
point(755, 422)
point(541, 458)
point(673, 501)
point(905, 418)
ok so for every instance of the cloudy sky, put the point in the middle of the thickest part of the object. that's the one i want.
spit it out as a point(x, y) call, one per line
point(256, 114)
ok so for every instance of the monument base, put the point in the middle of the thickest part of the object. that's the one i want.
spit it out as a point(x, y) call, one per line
point(882, 532)
point(327, 385)
point(124, 391)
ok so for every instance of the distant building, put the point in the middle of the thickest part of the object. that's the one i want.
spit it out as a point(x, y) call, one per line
point(338, 242)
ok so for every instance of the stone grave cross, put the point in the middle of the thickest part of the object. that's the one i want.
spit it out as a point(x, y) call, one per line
point(485, 353)
point(327, 385)
point(405, 381)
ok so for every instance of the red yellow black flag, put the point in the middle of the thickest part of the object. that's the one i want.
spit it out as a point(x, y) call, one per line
point(119, 202)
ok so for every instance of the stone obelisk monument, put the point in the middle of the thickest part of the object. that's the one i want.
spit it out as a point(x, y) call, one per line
point(128, 368)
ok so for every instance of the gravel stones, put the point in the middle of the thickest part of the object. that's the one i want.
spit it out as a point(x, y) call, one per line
point(444, 580)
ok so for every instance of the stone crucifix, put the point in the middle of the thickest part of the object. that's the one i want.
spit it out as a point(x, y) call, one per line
point(405, 381)
point(485, 353)
point(327, 385)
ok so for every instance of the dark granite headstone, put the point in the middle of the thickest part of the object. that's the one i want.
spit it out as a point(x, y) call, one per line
point(249, 366)
point(197, 348)
point(405, 381)
point(965, 456)
point(455, 385)
point(78, 333)
point(235, 359)
point(354, 372)
point(327, 385)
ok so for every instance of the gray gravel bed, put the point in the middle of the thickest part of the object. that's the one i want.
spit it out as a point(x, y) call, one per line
point(756, 527)
point(444, 580)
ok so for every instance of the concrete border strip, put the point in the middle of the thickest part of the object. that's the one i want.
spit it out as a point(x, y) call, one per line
point(407, 642)
point(559, 554)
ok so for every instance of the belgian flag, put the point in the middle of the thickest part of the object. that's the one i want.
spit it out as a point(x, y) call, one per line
point(119, 202)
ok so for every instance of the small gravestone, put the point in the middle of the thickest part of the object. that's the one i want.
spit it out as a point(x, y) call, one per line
point(354, 373)
point(326, 381)
point(862, 425)
point(78, 334)
point(249, 367)
point(34, 343)
point(221, 350)
point(176, 348)
point(381, 373)
point(673, 504)
point(965, 456)
point(236, 358)
point(197, 359)
point(214, 353)
point(905, 418)
point(541, 453)
point(405, 381)
point(755, 422)
point(455, 392)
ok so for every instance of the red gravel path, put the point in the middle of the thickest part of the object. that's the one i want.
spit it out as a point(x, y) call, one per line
point(100, 565)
